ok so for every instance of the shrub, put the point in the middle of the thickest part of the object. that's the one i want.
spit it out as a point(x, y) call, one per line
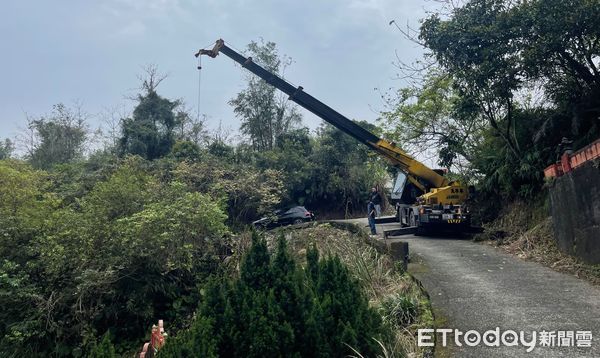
point(400, 310)
point(104, 350)
point(276, 308)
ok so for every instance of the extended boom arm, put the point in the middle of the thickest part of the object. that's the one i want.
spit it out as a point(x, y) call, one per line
point(419, 174)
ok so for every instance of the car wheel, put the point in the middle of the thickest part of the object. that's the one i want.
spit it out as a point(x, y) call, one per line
point(298, 221)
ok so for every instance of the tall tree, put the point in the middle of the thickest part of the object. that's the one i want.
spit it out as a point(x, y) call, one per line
point(494, 49)
point(561, 46)
point(265, 114)
point(6, 149)
point(190, 129)
point(501, 53)
point(433, 115)
point(478, 47)
point(57, 138)
point(344, 170)
point(149, 133)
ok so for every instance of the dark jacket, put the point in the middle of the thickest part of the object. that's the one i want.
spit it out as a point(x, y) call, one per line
point(376, 198)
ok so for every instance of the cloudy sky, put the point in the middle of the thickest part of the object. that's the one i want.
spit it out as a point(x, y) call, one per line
point(91, 52)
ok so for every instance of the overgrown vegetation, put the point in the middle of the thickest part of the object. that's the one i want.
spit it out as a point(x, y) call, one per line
point(92, 250)
point(332, 293)
point(276, 308)
point(503, 82)
point(400, 301)
point(130, 249)
point(97, 244)
point(530, 236)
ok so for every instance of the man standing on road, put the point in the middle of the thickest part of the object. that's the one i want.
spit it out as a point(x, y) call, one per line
point(376, 200)
point(371, 212)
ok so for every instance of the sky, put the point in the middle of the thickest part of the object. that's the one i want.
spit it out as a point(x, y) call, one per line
point(91, 53)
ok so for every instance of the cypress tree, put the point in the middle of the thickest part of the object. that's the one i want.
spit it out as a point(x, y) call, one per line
point(255, 271)
point(105, 349)
point(277, 309)
point(346, 317)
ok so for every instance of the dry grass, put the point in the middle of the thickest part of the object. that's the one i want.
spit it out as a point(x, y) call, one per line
point(378, 274)
point(531, 237)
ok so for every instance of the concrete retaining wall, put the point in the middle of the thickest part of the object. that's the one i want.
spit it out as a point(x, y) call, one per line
point(575, 199)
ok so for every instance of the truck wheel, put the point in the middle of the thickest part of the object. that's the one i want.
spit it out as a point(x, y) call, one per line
point(399, 218)
point(411, 219)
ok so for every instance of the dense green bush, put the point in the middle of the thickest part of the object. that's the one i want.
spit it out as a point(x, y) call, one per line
point(330, 172)
point(112, 258)
point(104, 349)
point(277, 308)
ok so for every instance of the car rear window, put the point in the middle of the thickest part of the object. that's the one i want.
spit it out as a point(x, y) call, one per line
point(296, 210)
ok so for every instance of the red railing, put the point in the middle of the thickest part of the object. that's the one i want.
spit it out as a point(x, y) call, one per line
point(157, 340)
point(569, 162)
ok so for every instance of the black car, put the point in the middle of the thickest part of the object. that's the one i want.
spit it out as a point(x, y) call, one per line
point(293, 215)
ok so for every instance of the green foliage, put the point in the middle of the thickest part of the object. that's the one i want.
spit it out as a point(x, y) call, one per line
point(22, 195)
point(104, 350)
point(173, 232)
point(400, 310)
point(433, 115)
point(247, 192)
point(265, 114)
point(275, 308)
point(24, 209)
point(116, 256)
point(56, 139)
point(197, 341)
point(494, 48)
point(505, 175)
point(221, 150)
point(149, 133)
point(186, 150)
point(344, 171)
point(292, 157)
point(6, 149)
point(330, 172)
point(560, 46)
point(512, 79)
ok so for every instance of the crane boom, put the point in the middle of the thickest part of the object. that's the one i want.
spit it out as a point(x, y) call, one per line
point(419, 174)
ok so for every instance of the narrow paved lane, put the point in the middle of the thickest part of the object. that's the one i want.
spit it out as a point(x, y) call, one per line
point(475, 286)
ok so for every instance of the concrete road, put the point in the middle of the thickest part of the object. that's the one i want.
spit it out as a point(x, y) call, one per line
point(474, 286)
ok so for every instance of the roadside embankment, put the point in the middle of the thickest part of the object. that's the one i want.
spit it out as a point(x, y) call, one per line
point(400, 299)
point(526, 230)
